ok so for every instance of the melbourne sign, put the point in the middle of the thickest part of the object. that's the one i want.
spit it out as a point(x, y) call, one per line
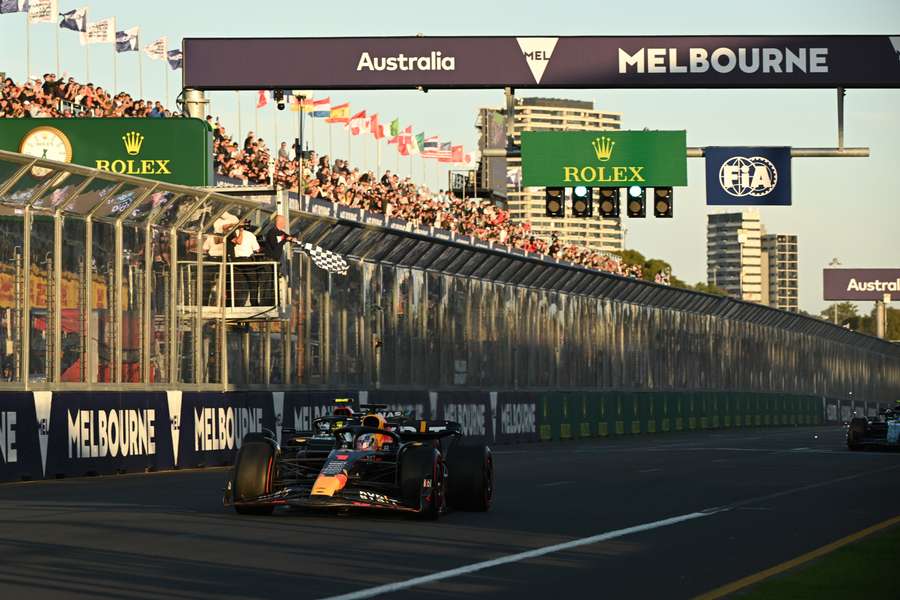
point(861, 284)
point(551, 62)
point(604, 158)
point(748, 176)
point(171, 150)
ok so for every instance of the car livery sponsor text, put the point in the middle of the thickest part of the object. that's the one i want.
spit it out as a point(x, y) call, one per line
point(8, 453)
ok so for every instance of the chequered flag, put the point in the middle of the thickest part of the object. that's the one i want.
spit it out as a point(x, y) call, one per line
point(326, 259)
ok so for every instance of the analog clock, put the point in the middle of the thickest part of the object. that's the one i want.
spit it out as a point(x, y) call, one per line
point(48, 143)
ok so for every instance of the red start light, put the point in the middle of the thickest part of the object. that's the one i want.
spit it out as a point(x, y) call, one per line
point(342, 456)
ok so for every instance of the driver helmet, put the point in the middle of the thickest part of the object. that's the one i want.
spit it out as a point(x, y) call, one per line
point(368, 441)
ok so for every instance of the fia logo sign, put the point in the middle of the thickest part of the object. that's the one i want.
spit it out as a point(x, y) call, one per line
point(740, 176)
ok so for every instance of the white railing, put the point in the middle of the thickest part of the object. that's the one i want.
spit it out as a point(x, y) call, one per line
point(251, 289)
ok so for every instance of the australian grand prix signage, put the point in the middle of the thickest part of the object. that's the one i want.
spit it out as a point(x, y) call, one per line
point(604, 158)
point(861, 284)
point(552, 62)
point(171, 150)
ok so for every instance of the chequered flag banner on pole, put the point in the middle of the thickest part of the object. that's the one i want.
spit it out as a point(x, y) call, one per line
point(326, 259)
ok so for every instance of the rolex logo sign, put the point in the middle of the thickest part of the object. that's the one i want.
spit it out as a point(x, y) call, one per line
point(608, 158)
point(603, 147)
point(133, 141)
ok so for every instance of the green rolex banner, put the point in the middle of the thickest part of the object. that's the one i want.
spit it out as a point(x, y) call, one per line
point(604, 158)
point(175, 150)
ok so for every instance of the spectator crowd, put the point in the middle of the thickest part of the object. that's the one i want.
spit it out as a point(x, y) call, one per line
point(320, 177)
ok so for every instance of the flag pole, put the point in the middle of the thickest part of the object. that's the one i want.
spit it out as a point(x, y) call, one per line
point(377, 157)
point(115, 71)
point(330, 145)
point(312, 132)
point(349, 141)
point(237, 94)
point(27, 46)
point(140, 74)
point(57, 52)
point(365, 161)
point(275, 135)
point(87, 62)
point(256, 120)
point(166, 69)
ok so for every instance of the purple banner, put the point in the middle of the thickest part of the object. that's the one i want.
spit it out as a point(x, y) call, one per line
point(869, 61)
point(861, 284)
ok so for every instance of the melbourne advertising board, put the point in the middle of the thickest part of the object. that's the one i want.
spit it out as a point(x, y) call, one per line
point(604, 159)
point(549, 62)
point(171, 150)
point(748, 176)
point(861, 284)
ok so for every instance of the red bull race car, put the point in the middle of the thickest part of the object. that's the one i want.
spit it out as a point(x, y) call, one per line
point(368, 459)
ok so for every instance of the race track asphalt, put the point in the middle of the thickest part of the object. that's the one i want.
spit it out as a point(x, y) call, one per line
point(768, 496)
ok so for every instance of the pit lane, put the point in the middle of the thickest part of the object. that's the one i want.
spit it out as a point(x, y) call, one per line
point(770, 494)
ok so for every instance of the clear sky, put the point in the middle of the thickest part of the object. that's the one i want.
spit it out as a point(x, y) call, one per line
point(845, 208)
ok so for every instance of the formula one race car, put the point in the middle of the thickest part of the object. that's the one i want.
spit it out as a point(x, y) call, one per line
point(369, 459)
point(882, 431)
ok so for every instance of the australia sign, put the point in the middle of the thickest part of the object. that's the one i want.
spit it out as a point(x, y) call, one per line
point(171, 150)
point(861, 284)
point(786, 61)
point(604, 158)
point(748, 176)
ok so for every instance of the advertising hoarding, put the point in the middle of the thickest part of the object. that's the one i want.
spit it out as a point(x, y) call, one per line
point(543, 62)
point(860, 284)
point(604, 158)
point(741, 175)
point(177, 150)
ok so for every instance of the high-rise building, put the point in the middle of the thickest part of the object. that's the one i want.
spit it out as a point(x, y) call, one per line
point(779, 253)
point(527, 204)
point(734, 254)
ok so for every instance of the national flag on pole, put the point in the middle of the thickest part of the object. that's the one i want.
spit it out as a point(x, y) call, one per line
point(358, 122)
point(262, 100)
point(301, 104)
point(175, 58)
point(100, 32)
point(456, 155)
point(76, 20)
point(375, 127)
point(340, 113)
point(127, 41)
point(321, 108)
point(430, 147)
point(416, 142)
point(395, 127)
point(444, 152)
point(13, 6)
point(42, 11)
point(157, 50)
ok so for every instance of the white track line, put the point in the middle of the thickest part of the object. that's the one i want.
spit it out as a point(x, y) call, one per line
point(554, 483)
point(503, 560)
point(602, 537)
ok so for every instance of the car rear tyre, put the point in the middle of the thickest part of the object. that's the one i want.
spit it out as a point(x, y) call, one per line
point(855, 433)
point(416, 466)
point(470, 483)
point(254, 470)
